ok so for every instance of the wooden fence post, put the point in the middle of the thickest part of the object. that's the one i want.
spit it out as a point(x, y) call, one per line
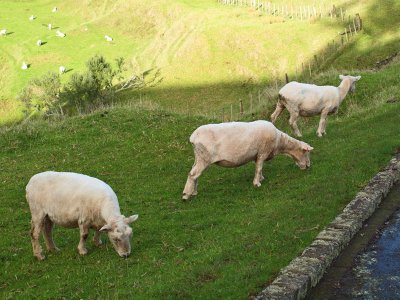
point(241, 108)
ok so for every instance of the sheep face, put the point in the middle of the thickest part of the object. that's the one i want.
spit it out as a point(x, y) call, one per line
point(353, 80)
point(120, 234)
point(302, 156)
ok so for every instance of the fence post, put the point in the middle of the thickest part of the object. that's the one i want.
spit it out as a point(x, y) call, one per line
point(231, 113)
point(241, 108)
point(354, 24)
point(309, 68)
point(287, 78)
point(347, 37)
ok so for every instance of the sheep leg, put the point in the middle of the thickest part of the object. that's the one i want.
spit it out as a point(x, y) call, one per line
point(322, 124)
point(96, 238)
point(84, 232)
point(278, 110)
point(258, 177)
point(293, 123)
point(36, 225)
point(48, 234)
point(191, 183)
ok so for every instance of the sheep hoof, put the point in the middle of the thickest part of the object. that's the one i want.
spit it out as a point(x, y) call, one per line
point(40, 256)
point(82, 251)
point(53, 249)
point(185, 197)
point(257, 184)
point(319, 134)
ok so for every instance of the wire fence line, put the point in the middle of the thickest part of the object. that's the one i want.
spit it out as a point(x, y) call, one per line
point(293, 11)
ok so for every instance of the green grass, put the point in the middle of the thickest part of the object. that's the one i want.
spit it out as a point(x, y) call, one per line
point(227, 242)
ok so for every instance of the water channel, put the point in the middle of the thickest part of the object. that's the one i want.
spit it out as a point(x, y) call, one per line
point(369, 268)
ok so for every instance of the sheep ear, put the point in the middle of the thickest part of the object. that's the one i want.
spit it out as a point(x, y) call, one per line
point(131, 219)
point(341, 77)
point(307, 148)
point(358, 78)
point(105, 228)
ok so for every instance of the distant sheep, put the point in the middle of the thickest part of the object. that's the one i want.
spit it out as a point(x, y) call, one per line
point(76, 200)
point(31, 18)
point(49, 26)
point(60, 34)
point(61, 69)
point(234, 144)
point(3, 32)
point(55, 9)
point(108, 38)
point(24, 66)
point(308, 100)
point(39, 43)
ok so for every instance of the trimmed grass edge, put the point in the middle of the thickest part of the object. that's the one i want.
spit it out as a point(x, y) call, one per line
point(304, 272)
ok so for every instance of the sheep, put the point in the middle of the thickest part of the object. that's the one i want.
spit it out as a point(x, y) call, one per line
point(32, 17)
point(49, 26)
point(60, 34)
point(61, 69)
point(237, 143)
point(3, 32)
point(24, 66)
point(75, 200)
point(55, 9)
point(39, 43)
point(309, 100)
point(108, 38)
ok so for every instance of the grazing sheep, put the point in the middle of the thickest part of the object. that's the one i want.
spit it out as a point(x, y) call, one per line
point(237, 143)
point(76, 200)
point(31, 18)
point(24, 66)
point(3, 32)
point(61, 69)
point(39, 43)
point(108, 38)
point(60, 34)
point(49, 26)
point(55, 9)
point(308, 100)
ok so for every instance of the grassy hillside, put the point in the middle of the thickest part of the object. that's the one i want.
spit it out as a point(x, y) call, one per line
point(226, 243)
point(209, 55)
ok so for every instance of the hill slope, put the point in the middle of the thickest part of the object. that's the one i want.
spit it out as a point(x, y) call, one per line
point(209, 55)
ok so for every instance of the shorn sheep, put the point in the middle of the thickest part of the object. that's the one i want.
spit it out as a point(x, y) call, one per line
point(76, 200)
point(3, 32)
point(60, 34)
point(108, 38)
point(308, 100)
point(237, 143)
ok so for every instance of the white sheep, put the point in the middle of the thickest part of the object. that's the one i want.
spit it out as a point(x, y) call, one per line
point(308, 100)
point(108, 38)
point(60, 34)
point(55, 9)
point(24, 66)
point(32, 17)
point(3, 32)
point(39, 43)
point(49, 26)
point(61, 69)
point(236, 143)
point(75, 200)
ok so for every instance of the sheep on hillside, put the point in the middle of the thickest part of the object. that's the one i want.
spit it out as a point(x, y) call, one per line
point(39, 43)
point(60, 34)
point(49, 26)
point(55, 9)
point(234, 144)
point(108, 38)
point(75, 200)
point(24, 66)
point(308, 100)
point(61, 69)
point(31, 18)
point(3, 32)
